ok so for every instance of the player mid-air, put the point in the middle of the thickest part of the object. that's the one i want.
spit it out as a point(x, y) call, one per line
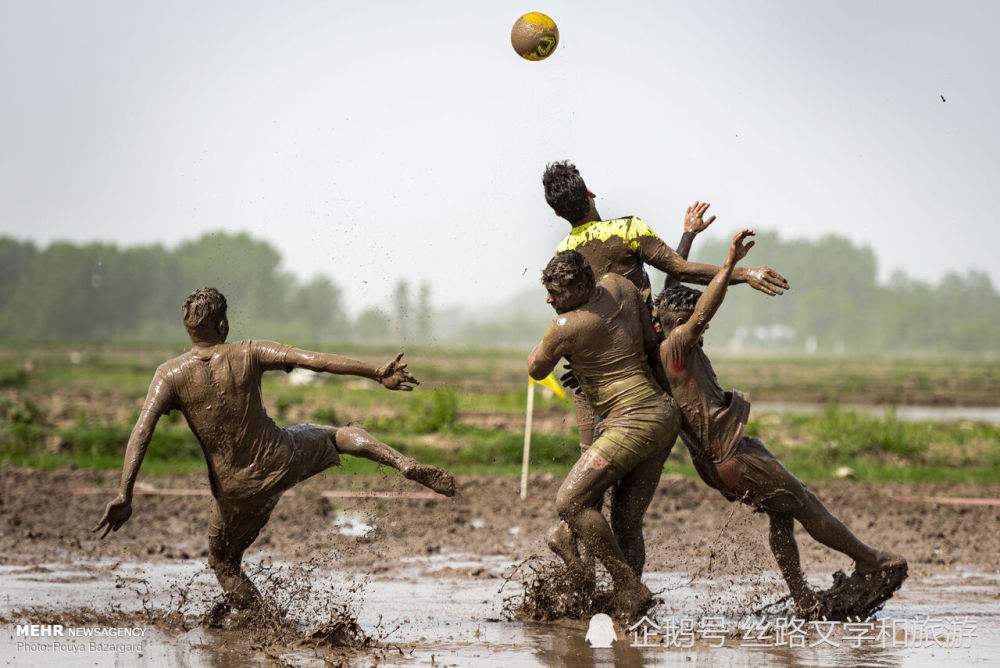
point(742, 469)
point(604, 328)
point(251, 461)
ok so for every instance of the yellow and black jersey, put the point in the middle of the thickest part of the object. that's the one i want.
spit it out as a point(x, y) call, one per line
point(620, 246)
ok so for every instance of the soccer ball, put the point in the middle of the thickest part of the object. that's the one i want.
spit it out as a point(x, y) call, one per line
point(534, 36)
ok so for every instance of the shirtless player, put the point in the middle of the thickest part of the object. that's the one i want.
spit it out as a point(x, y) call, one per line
point(251, 461)
point(739, 466)
point(606, 332)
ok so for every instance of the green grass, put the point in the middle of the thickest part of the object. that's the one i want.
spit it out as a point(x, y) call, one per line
point(63, 405)
point(813, 447)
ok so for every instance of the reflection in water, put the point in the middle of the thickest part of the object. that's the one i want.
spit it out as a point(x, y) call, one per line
point(562, 644)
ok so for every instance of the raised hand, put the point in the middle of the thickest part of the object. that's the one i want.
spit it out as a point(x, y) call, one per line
point(394, 376)
point(693, 218)
point(738, 249)
point(115, 515)
point(764, 279)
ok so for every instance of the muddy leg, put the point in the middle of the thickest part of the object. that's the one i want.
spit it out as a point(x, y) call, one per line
point(579, 563)
point(632, 495)
point(231, 532)
point(825, 528)
point(786, 553)
point(575, 501)
point(359, 443)
point(877, 575)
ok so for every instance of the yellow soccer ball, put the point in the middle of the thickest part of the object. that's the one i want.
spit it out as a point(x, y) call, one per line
point(534, 36)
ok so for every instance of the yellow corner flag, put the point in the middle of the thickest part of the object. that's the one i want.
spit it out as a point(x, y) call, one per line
point(551, 383)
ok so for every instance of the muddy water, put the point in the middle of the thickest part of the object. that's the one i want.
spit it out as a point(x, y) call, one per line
point(425, 612)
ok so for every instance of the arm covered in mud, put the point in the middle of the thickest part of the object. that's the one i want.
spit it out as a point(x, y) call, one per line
point(694, 224)
point(392, 375)
point(544, 357)
point(654, 252)
point(158, 401)
point(684, 336)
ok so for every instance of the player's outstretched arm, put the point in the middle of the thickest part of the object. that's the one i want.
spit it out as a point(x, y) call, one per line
point(654, 252)
point(674, 350)
point(158, 400)
point(392, 375)
point(711, 299)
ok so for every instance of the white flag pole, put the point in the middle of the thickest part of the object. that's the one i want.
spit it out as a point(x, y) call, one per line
point(528, 415)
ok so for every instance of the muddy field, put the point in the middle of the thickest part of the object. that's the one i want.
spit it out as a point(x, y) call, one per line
point(430, 580)
point(452, 555)
point(44, 520)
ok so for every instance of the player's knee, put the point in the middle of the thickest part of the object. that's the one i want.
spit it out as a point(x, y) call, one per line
point(559, 538)
point(352, 437)
point(568, 505)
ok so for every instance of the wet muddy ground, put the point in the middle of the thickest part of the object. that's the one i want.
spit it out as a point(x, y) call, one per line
point(425, 577)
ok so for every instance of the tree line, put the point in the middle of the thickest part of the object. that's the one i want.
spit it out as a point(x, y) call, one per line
point(98, 291)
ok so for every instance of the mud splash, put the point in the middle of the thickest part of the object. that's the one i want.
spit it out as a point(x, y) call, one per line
point(548, 592)
point(451, 619)
point(299, 611)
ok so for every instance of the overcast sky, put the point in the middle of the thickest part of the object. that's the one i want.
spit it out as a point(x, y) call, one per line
point(377, 140)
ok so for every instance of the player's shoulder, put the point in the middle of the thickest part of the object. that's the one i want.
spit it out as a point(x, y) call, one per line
point(167, 370)
point(564, 325)
point(259, 345)
point(611, 279)
point(676, 352)
point(629, 229)
point(635, 228)
point(617, 284)
point(625, 228)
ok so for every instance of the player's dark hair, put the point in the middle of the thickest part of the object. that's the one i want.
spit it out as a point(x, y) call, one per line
point(565, 191)
point(679, 297)
point(202, 307)
point(566, 269)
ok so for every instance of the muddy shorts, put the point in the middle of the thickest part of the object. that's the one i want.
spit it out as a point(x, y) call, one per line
point(313, 450)
point(636, 434)
point(754, 476)
point(236, 521)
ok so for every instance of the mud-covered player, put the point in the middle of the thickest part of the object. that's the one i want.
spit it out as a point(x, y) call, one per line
point(742, 469)
point(251, 461)
point(605, 330)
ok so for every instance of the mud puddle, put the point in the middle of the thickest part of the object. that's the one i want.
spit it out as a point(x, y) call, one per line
point(426, 615)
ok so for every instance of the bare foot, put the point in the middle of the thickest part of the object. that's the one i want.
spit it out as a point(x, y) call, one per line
point(431, 477)
point(631, 602)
